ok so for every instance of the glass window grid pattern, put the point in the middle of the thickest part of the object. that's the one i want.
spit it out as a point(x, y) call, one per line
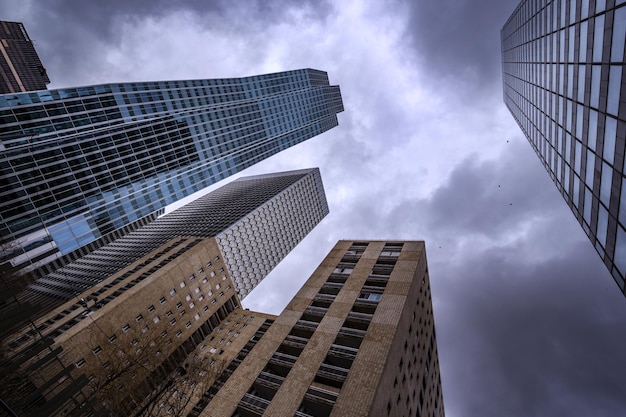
point(205, 217)
point(562, 64)
point(85, 161)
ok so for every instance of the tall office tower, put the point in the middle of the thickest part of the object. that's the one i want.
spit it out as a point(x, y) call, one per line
point(156, 293)
point(20, 67)
point(256, 221)
point(563, 72)
point(169, 337)
point(77, 164)
point(357, 340)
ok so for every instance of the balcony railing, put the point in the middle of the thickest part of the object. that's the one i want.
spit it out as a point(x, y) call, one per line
point(363, 317)
point(295, 341)
point(343, 351)
point(305, 324)
point(270, 380)
point(254, 404)
point(333, 372)
point(324, 297)
point(346, 331)
point(283, 359)
point(320, 395)
point(316, 311)
point(334, 285)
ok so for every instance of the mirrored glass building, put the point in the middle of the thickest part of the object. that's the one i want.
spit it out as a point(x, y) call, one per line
point(563, 73)
point(78, 164)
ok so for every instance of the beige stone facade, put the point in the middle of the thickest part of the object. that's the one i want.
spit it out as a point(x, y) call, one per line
point(136, 327)
point(357, 340)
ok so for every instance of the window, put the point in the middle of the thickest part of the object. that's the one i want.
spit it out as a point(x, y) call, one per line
point(188, 297)
point(80, 363)
point(173, 321)
point(126, 327)
point(144, 329)
point(178, 333)
point(373, 297)
point(192, 277)
point(208, 264)
point(182, 284)
point(179, 304)
point(172, 292)
point(156, 319)
point(191, 305)
point(200, 271)
point(188, 324)
point(139, 317)
point(97, 350)
point(162, 300)
point(112, 338)
point(197, 316)
point(217, 258)
point(151, 309)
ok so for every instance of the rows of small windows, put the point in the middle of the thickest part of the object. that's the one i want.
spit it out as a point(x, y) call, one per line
point(299, 77)
point(94, 300)
point(160, 99)
point(335, 367)
point(264, 187)
point(168, 184)
point(126, 366)
point(153, 315)
point(100, 170)
point(571, 46)
point(208, 395)
point(418, 363)
point(46, 124)
point(540, 17)
point(565, 155)
point(570, 93)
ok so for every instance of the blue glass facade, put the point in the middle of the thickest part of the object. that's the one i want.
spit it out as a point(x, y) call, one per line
point(79, 163)
point(563, 74)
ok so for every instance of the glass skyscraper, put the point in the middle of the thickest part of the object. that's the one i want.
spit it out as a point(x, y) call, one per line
point(77, 164)
point(563, 72)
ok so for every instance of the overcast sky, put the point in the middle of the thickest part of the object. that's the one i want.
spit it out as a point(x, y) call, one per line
point(529, 322)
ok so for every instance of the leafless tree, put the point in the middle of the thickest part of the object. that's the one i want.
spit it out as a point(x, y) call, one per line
point(144, 378)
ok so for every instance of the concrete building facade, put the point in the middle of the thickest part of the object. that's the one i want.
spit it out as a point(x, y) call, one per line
point(357, 340)
point(171, 338)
